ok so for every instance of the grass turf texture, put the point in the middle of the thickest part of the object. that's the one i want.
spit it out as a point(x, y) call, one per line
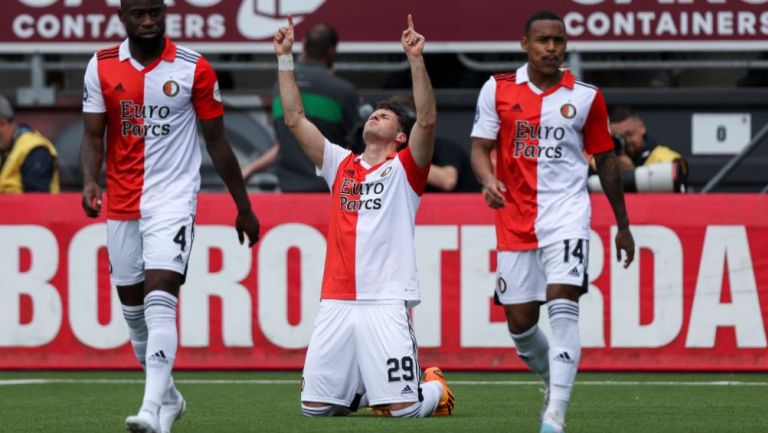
point(656, 403)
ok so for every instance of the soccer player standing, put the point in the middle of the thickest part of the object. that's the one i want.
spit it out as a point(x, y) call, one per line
point(541, 120)
point(147, 94)
point(363, 342)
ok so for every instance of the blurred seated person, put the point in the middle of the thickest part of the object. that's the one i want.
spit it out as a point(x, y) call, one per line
point(646, 165)
point(27, 158)
point(450, 170)
point(330, 102)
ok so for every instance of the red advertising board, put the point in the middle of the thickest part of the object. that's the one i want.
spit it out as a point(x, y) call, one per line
point(696, 299)
point(460, 25)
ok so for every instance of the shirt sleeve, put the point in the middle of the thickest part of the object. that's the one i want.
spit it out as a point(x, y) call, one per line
point(93, 99)
point(417, 176)
point(597, 135)
point(486, 118)
point(332, 156)
point(206, 96)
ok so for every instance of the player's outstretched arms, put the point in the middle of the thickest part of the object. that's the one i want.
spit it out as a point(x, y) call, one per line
point(309, 137)
point(493, 189)
point(226, 165)
point(610, 179)
point(422, 136)
point(91, 158)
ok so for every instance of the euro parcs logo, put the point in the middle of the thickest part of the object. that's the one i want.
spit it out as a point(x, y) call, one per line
point(259, 19)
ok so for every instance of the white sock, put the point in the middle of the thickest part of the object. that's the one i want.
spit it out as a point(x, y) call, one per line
point(160, 315)
point(171, 395)
point(430, 392)
point(533, 348)
point(330, 410)
point(564, 355)
point(137, 331)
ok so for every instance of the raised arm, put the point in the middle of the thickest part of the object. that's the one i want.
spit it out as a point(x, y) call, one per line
point(91, 159)
point(229, 171)
point(610, 179)
point(422, 136)
point(309, 137)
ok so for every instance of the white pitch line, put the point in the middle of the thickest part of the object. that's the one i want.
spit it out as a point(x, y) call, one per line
point(620, 383)
point(455, 382)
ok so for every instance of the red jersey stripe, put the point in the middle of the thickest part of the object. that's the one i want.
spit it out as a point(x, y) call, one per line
point(520, 112)
point(339, 273)
point(123, 90)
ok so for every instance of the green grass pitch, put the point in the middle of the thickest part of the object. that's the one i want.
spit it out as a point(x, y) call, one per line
point(224, 402)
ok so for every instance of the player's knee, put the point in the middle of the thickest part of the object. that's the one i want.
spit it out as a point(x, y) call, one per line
point(313, 410)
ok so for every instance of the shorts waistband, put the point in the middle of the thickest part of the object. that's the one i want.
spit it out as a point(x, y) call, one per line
point(363, 302)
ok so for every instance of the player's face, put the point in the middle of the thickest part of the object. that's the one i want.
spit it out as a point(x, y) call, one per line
point(632, 129)
point(545, 44)
point(144, 21)
point(382, 126)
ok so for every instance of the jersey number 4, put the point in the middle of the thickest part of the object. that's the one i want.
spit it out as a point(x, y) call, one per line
point(181, 238)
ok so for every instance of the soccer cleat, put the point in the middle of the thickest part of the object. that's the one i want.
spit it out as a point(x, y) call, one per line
point(551, 425)
point(142, 423)
point(380, 412)
point(447, 400)
point(171, 412)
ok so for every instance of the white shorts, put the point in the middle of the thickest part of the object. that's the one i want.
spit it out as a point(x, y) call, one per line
point(523, 276)
point(155, 242)
point(361, 347)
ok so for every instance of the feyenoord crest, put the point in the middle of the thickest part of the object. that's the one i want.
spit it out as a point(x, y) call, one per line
point(171, 88)
point(386, 171)
point(568, 111)
point(501, 285)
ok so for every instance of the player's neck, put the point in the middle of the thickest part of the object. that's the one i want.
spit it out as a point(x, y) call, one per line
point(544, 82)
point(376, 153)
point(145, 53)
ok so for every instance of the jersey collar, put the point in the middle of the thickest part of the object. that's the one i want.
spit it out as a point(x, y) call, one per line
point(567, 80)
point(390, 155)
point(359, 160)
point(168, 54)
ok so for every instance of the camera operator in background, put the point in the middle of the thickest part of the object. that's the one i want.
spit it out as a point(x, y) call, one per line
point(646, 165)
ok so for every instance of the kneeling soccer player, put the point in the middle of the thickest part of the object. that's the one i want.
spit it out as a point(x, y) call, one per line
point(363, 343)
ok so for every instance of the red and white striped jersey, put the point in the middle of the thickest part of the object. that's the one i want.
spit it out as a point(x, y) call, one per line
point(541, 138)
point(371, 253)
point(153, 152)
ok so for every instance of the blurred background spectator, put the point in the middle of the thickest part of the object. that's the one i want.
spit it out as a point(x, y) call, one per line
point(636, 148)
point(27, 158)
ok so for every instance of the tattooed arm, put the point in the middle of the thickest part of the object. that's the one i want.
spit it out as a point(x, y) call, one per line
point(610, 179)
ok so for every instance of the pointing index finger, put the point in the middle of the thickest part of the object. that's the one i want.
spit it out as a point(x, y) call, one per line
point(290, 22)
point(410, 22)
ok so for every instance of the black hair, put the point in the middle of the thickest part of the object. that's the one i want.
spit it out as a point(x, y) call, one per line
point(621, 113)
point(541, 16)
point(406, 117)
point(320, 38)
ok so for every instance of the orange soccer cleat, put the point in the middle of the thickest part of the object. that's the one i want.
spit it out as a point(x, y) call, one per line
point(447, 401)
